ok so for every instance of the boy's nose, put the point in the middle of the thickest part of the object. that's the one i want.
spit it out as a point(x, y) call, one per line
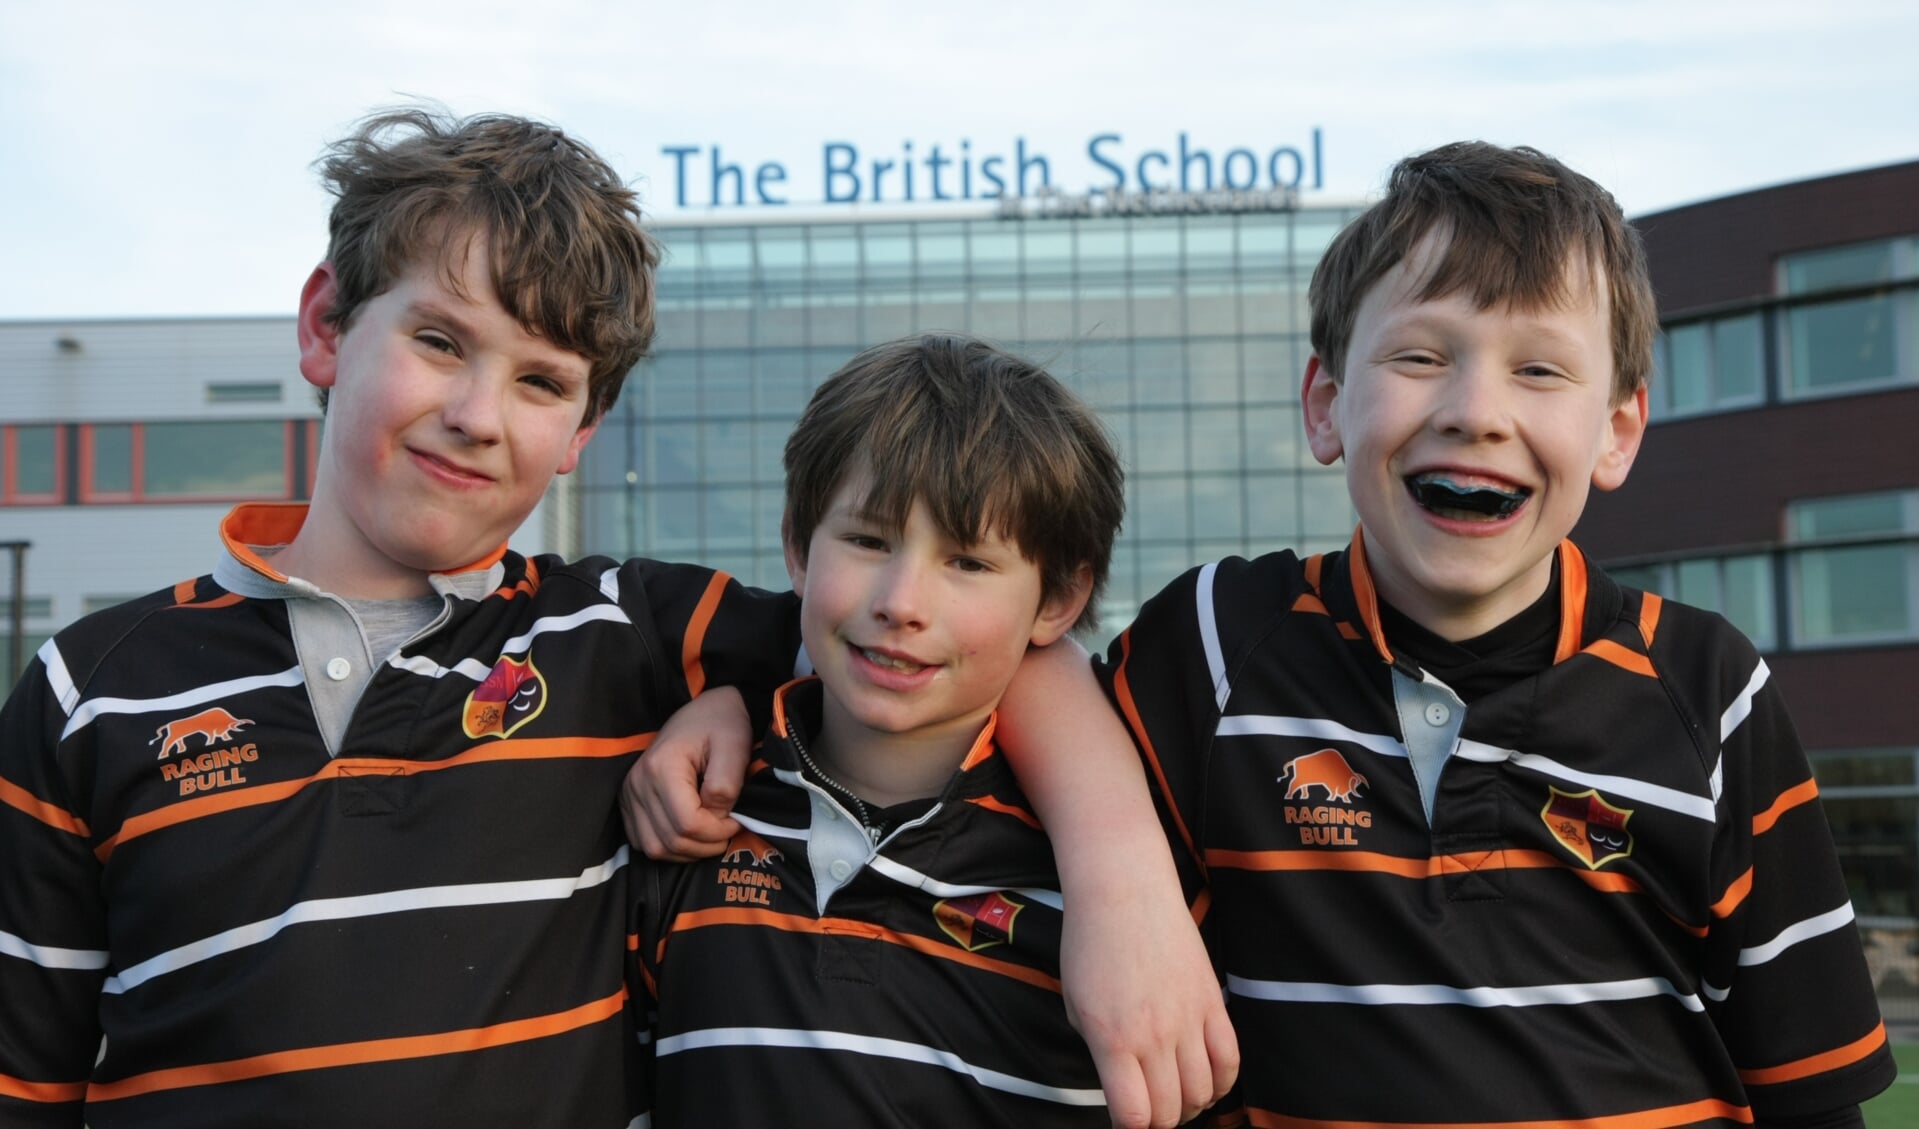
point(1474, 403)
point(473, 409)
point(899, 597)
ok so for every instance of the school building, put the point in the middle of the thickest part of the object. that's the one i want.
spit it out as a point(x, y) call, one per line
point(1779, 483)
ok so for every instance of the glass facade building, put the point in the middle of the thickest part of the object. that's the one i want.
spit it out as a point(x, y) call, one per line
point(1188, 333)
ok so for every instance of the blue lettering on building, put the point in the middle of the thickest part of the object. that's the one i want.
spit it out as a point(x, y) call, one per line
point(706, 177)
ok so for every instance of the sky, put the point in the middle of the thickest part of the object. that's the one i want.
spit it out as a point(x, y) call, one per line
point(156, 159)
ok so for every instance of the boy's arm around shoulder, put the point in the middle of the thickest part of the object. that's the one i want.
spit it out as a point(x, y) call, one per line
point(53, 936)
point(707, 636)
point(1784, 965)
point(1137, 980)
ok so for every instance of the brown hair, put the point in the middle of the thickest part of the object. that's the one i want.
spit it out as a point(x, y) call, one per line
point(978, 435)
point(568, 258)
point(1513, 221)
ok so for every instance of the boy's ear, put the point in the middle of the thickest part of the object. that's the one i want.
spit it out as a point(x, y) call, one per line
point(1318, 395)
point(1625, 428)
point(578, 444)
point(1058, 613)
point(795, 560)
point(319, 340)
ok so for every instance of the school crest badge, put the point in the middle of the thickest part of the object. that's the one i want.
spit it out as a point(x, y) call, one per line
point(512, 694)
point(1592, 830)
point(979, 921)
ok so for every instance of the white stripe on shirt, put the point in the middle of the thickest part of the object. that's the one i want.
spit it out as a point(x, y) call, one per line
point(1535, 995)
point(1209, 635)
point(878, 1048)
point(48, 956)
point(365, 905)
point(213, 691)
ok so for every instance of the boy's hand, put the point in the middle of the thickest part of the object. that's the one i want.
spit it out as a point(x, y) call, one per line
point(678, 798)
point(1137, 980)
point(1144, 995)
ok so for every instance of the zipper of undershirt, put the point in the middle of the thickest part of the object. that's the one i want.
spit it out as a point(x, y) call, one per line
point(859, 805)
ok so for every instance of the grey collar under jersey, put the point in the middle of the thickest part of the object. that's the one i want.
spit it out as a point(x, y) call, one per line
point(341, 642)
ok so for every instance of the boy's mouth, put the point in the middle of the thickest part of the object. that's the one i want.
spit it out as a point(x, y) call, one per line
point(1444, 495)
point(891, 662)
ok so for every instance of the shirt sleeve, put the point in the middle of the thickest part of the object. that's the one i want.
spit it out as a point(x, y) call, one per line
point(53, 937)
point(714, 631)
point(1785, 971)
point(1155, 674)
point(645, 930)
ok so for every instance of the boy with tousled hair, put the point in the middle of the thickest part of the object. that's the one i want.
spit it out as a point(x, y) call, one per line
point(303, 839)
point(879, 944)
point(1480, 836)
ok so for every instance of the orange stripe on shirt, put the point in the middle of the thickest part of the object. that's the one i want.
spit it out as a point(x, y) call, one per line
point(1622, 657)
point(367, 1051)
point(842, 926)
point(1307, 602)
point(1734, 896)
point(1817, 1064)
point(12, 1087)
point(1572, 601)
point(530, 748)
point(1649, 607)
point(1021, 814)
point(1802, 793)
point(58, 818)
point(1374, 862)
point(695, 637)
point(1663, 1118)
point(1123, 691)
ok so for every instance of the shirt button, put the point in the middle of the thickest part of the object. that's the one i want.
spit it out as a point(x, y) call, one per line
point(338, 669)
point(840, 869)
point(1437, 714)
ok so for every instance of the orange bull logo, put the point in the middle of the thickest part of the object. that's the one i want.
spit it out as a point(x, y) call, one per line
point(751, 850)
point(1324, 769)
point(513, 694)
point(210, 726)
point(743, 870)
point(1589, 827)
point(979, 921)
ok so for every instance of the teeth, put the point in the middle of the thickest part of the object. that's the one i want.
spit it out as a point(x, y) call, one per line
point(1450, 498)
point(891, 663)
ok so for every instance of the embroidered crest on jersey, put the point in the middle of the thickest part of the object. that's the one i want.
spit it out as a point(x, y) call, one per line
point(1324, 769)
point(1593, 830)
point(210, 725)
point(512, 694)
point(978, 921)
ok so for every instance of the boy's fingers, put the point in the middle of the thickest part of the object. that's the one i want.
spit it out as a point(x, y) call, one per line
point(1125, 1087)
point(726, 763)
point(1164, 1089)
point(1222, 1049)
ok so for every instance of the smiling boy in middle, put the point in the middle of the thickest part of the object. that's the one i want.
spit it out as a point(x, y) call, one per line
point(880, 944)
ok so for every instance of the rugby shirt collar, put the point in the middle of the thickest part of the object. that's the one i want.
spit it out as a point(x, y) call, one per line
point(251, 526)
point(800, 702)
point(1588, 600)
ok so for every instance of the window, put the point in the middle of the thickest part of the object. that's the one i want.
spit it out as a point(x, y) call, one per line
point(1871, 797)
point(1854, 568)
point(188, 460)
point(248, 392)
point(33, 461)
point(1853, 340)
point(1737, 587)
point(1709, 365)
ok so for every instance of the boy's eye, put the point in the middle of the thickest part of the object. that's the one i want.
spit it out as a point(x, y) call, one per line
point(866, 541)
point(545, 384)
point(436, 341)
point(971, 564)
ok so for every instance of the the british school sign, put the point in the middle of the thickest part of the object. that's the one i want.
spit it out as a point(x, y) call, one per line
point(1119, 178)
